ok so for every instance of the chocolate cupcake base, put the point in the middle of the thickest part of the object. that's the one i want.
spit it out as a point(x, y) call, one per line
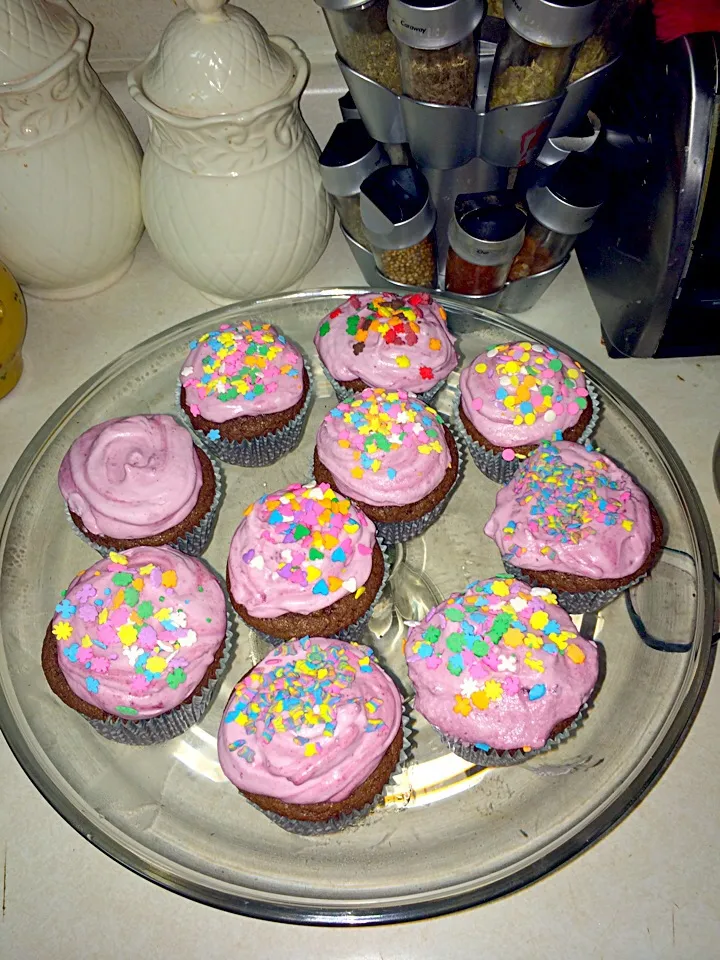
point(140, 733)
point(252, 441)
point(347, 390)
point(399, 524)
point(345, 619)
point(490, 459)
point(190, 537)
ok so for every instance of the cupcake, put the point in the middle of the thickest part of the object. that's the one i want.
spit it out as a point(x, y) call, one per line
point(140, 481)
point(515, 396)
point(312, 734)
point(246, 391)
point(137, 644)
point(393, 456)
point(572, 520)
point(383, 340)
point(500, 671)
point(305, 562)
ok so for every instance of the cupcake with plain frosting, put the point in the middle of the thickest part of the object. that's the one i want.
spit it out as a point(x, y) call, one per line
point(305, 561)
point(246, 391)
point(500, 671)
point(140, 481)
point(393, 456)
point(572, 520)
point(384, 340)
point(137, 644)
point(516, 395)
point(312, 734)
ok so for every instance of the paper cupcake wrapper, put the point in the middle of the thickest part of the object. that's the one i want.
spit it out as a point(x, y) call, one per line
point(588, 602)
point(315, 828)
point(492, 464)
point(509, 758)
point(345, 396)
point(353, 631)
point(260, 451)
point(145, 733)
point(192, 543)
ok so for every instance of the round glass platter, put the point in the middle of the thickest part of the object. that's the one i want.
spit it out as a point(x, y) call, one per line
point(448, 834)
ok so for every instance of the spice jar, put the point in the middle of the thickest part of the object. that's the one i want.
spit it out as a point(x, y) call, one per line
point(399, 220)
point(438, 51)
point(614, 20)
point(485, 233)
point(535, 58)
point(561, 209)
point(359, 29)
point(349, 157)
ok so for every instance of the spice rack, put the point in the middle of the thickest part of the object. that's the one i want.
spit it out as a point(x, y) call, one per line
point(458, 148)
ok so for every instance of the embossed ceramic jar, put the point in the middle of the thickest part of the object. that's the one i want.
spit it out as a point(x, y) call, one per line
point(69, 162)
point(231, 191)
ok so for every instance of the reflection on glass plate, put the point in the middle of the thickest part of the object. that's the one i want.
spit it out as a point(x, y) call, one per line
point(448, 834)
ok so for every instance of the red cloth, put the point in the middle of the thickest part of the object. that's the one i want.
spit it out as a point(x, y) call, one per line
point(677, 18)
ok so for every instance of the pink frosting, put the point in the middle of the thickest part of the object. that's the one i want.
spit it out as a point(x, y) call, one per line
point(520, 393)
point(500, 665)
point(384, 448)
point(243, 370)
point(299, 550)
point(339, 714)
point(571, 509)
point(133, 477)
point(137, 631)
point(388, 341)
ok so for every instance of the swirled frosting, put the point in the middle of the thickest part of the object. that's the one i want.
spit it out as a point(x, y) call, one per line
point(520, 393)
point(310, 722)
point(500, 665)
point(299, 550)
point(239, 371)
point(573, 510)
point(385, 448)
point(132, 477)
point(137, 631)
point(388, 341)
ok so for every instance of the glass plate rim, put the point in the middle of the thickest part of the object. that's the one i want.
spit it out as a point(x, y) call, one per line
point(407, 910)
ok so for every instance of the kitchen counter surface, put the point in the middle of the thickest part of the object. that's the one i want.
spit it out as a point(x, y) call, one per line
point(649, 889)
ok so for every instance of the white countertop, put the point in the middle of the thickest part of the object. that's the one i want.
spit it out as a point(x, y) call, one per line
point(649, 889)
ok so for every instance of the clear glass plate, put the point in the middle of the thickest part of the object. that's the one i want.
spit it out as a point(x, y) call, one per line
point(448, 835)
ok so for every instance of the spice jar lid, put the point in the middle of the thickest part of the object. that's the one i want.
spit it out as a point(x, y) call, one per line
point(350, 156)
point(396, 208)
point(569, 200)
point(434, 24)
point(347, 107)
point(487, 228)
point(552, 23)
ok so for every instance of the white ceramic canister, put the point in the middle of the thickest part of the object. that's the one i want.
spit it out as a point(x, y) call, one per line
point(70, 215)
point(231, 192)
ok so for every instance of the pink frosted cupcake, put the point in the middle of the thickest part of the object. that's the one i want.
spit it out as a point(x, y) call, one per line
point(137, 644)
point(312, 734)
point(516, 395)
point(140, 481)
point(500, 671)
point(246, 391)
point(384, 340)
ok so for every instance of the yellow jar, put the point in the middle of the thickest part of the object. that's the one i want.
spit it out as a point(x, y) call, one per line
point(13, 323)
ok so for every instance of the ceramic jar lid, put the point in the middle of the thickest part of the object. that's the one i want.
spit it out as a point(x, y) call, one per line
point(33, 36)
point(215, 59)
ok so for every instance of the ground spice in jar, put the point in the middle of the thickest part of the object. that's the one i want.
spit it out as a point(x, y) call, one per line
point(540, 79)
point(444, 76)
point(415, 265)
point(364, 41)
point(472, 279)
point(349, 212)
point(532, 259)
point(495, 9)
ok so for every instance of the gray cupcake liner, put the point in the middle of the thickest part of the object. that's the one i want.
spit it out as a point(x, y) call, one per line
point(316, 828)
point(587, 602)
point(509, 758)
point(192, 543)
point(354, 631)
point(260, 451)
point(491, 463)
point(145, 733)
point(346, 396)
